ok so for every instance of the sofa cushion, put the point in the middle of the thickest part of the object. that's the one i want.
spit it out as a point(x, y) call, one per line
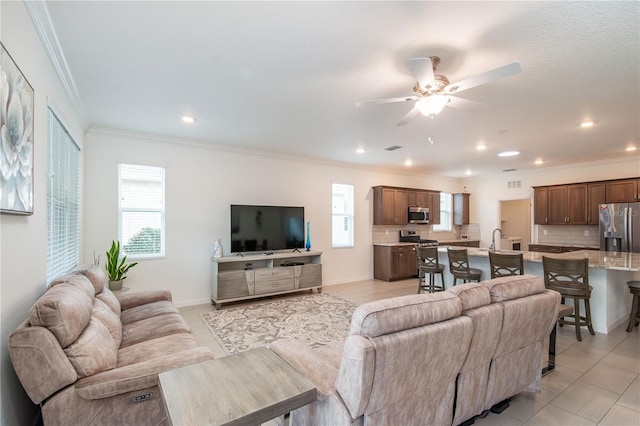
point(149, 310)
point(96, 275)
point(65, 310)
point(76, 280)
point(472, 295)
point(151, 328)
point(94, 351)
point(109, 318)
point(399, 313)
point(110, 299)
point(155, 348)
point(514, 287)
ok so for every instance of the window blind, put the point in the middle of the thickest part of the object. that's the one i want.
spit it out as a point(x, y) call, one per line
point(63, 199)
point(141, 210)
point(342, 215)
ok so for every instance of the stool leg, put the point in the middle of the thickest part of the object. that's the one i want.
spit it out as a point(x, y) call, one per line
point(576, 316)
point(634, 312)
point(419, 281)
point(442, 281)
point(587, 307)
point(432, 282)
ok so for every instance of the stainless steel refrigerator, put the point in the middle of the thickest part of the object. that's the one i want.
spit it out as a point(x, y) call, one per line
point(620, 227)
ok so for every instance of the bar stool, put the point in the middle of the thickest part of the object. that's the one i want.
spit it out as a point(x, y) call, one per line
point(459, 266)
point(428, 263)
point(570, 277)
point(504, 265)
point(634, 316)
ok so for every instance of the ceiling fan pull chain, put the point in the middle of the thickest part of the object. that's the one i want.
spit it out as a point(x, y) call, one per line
point(430, 139)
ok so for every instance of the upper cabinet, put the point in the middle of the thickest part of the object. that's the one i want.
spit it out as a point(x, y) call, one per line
point(391, 204)
point(461, 209)
point(623, 191)
point(577, 204)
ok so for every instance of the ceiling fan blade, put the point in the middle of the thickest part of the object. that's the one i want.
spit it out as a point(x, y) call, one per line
point(464, 104)
point(423, 69)
point(386, 101)
point(484, 78)
point(407, 118)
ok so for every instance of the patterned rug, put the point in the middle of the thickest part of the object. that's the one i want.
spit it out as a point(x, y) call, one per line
point(314, 319)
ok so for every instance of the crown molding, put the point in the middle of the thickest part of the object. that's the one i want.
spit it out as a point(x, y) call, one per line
point(39, 14)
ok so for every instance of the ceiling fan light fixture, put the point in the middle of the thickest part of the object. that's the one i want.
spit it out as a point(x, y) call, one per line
point(432, 105)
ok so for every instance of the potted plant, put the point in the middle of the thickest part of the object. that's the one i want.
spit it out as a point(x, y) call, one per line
point(117, 268)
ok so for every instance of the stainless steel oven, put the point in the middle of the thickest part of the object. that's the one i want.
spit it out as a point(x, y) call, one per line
point(418, 215)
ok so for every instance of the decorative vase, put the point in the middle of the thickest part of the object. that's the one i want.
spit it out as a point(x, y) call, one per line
point(115, 285)
point(308, 243)
point(217, 249)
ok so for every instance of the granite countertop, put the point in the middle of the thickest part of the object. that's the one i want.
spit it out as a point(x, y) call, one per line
point(597, 259)
point(394, 244)
point(565, 245)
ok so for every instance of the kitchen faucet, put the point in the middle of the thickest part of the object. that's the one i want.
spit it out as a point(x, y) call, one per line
point(493, 239)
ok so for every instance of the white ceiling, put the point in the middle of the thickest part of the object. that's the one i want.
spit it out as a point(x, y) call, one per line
point(284, 77)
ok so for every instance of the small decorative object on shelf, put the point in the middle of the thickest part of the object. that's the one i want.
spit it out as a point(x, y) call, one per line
point(117, 268)
point(308, 243)
point(217, 249)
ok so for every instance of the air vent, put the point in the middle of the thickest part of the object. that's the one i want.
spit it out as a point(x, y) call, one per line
point(514, 184)
point(509, 170)
point(392, 148)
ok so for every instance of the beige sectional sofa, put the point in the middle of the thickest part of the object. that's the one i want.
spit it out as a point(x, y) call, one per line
point(90, 356)
point(436, 359)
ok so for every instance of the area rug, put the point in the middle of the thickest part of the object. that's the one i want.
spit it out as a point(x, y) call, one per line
point(315, 320)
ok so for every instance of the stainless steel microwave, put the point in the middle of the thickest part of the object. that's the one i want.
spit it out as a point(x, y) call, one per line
point(418, 215)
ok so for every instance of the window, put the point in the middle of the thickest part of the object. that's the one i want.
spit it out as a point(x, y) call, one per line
point(445, 213)
point(63, 199)
point(342, 215)
point(141, 210)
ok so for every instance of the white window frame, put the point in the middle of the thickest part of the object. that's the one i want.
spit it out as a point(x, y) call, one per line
point(160, 209)
point(63, 199)
point(446, 213)
point(344, 217)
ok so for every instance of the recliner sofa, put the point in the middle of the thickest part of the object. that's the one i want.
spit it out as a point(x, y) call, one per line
point(90, 356)
point(436, 359)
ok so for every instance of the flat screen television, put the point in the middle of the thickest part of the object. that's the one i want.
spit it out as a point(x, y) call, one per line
point(266, 228)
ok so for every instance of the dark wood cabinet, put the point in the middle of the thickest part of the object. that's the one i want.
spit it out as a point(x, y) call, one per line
point(472, 243)
point(541, 206)
point(392, 263)
point(461, 209)
point(623, 191)
point(568, 205)
point(595, 197)
point(391, 204)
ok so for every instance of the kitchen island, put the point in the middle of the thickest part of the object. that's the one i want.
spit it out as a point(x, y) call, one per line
point(608, 275)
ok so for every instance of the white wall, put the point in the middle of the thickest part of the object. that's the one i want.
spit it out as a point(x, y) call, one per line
point(488, 192)
point(201, 183)
point(23, 238)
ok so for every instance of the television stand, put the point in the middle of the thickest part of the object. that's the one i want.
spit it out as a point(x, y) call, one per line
point(257, 275)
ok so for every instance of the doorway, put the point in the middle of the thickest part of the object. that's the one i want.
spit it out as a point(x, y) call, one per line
point(515, 220)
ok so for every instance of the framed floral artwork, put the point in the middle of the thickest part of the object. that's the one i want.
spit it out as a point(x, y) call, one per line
point(16, 138)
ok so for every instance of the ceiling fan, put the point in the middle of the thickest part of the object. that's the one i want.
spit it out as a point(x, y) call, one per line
point(433, 91)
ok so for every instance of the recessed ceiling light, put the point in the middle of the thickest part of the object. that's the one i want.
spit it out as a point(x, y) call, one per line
point(467, 172)
point(586, 124)
point(481, 146)
point(509, 153)
point(539, 161)
point(187, 119)
point(408, 163)
point(630, 148)
point(360, 150)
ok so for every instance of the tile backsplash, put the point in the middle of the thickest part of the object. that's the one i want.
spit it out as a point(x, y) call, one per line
point(568, 234)
point(391, 234)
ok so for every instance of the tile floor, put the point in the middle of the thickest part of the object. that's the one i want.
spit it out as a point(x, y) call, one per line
point(596, 381)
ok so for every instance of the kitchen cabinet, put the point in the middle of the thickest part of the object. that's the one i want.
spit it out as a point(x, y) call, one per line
point(623, 191)
point(595, 197)
point(547, 248)
point(541, 206)
point(565, 205)
point(461, 209)
point(392, 263)
point(390, 206)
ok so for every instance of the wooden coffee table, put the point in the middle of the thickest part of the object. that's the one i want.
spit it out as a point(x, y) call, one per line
point(249, 388)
